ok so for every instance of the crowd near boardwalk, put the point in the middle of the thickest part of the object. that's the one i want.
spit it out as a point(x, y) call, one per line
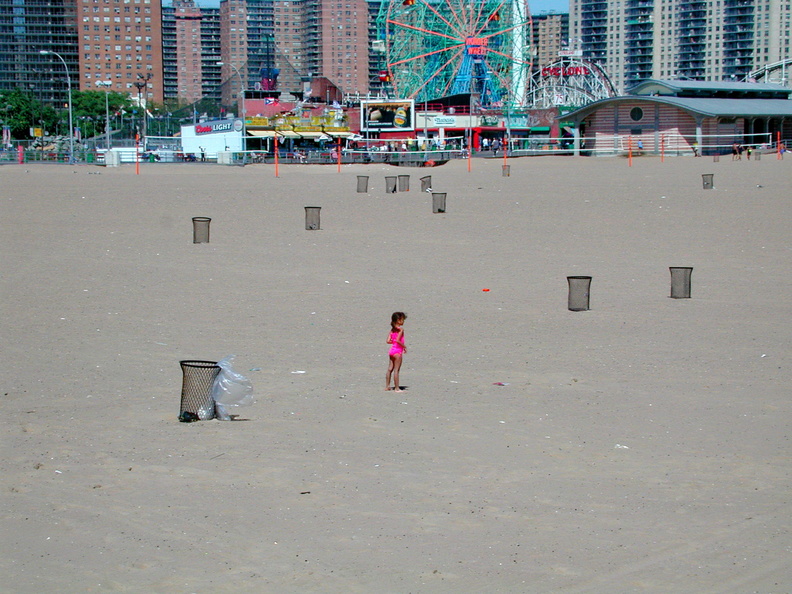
point(640, 443)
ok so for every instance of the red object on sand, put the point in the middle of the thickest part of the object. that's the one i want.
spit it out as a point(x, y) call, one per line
point(485, 290)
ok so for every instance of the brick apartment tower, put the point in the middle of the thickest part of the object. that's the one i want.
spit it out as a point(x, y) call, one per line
point(336, 43)
point(234, 49)
point(121, 41)
point(189, 72)
point(290, 57)
point(550, 34)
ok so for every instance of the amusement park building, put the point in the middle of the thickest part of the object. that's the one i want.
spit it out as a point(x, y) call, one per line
point(635, 40)
point(677, 117)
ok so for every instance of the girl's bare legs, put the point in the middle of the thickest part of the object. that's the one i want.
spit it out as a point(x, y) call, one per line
point(388, 375)
point(393, 369)
point(397, 361)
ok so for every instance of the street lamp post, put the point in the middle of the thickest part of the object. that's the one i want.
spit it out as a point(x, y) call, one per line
point(141, 84)
point(106, 84)
point(244, 124)
point(71, 121)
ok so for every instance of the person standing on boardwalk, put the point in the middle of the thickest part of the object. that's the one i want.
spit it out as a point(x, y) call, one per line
point(397, 349)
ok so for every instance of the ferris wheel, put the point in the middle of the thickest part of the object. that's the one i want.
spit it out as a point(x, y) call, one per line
point(436, 48)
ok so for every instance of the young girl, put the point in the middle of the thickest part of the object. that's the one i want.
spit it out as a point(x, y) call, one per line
point(396, 340)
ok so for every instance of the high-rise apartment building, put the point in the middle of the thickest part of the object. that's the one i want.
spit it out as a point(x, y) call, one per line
point(715, 40)
point(289, 57)
point(191, 51)
point(550, 36)
point(336, 43)
point(26, 28)
point(121, 41)
point(234, 49)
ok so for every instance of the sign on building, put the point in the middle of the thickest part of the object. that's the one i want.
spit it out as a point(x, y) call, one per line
point(387, 115)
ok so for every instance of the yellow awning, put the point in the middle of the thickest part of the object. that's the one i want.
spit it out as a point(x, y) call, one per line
point(319, 134)
point(271, 133)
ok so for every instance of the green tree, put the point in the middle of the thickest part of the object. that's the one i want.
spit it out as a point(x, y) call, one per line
point(20, 111)
point(89, 110)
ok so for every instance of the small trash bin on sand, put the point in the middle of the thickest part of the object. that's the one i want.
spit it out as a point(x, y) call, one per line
point(404, 183)
point(201, 229)
point(579, 287)
point(506, 171)
point(362, 184)
point(757, 156)
point(196, 393)
point(312, 217)
point(715, 158)
point(438, 202)
point(390, 184)
point(426, 183)
point(707, 179)
point(680, 281)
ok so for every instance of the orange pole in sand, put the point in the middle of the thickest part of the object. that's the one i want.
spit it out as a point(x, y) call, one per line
point(662, 148)
point(470, 150)
point(137, 154)
point(339, 154)
point(629, 151)
point(276, 155)
point(505, 150)
point(778, 145)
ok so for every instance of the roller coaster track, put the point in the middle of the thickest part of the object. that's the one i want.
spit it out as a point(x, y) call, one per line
point(766, 73)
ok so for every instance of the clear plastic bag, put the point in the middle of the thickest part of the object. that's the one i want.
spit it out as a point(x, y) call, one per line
point(230, 389)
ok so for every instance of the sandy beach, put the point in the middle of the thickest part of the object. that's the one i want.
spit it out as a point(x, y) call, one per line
point(642, 446)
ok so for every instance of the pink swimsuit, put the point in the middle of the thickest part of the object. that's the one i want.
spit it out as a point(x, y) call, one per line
point(396, 348)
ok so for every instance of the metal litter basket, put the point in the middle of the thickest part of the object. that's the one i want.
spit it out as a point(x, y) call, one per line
point(438, 202)
point(312, 214)
point(404, 183)
point(196, 393)
point(362, 184)
point(579, 292)
point(201, 229)
point(680, 281)
point(390, 184)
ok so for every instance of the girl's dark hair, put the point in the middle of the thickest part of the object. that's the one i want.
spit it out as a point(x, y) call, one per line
point(397, 315)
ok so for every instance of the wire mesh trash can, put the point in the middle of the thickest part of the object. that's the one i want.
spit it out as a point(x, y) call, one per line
point(680, 281)
point(757, 156)
point(404, 183)
point(715, 158)
point(362, 184)
point(506, 171)
point(426, 183)
point(312, 217)
point(196, 393)
point(390, 184)
point(707, 180)
point(579, 288)
point(438, 202)
point(201, 229)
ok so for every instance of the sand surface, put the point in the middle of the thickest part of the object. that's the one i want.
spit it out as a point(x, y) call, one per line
point(641, 446)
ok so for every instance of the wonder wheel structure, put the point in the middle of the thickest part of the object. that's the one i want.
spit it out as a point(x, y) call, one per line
point(437, 48)
point(569, 82)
